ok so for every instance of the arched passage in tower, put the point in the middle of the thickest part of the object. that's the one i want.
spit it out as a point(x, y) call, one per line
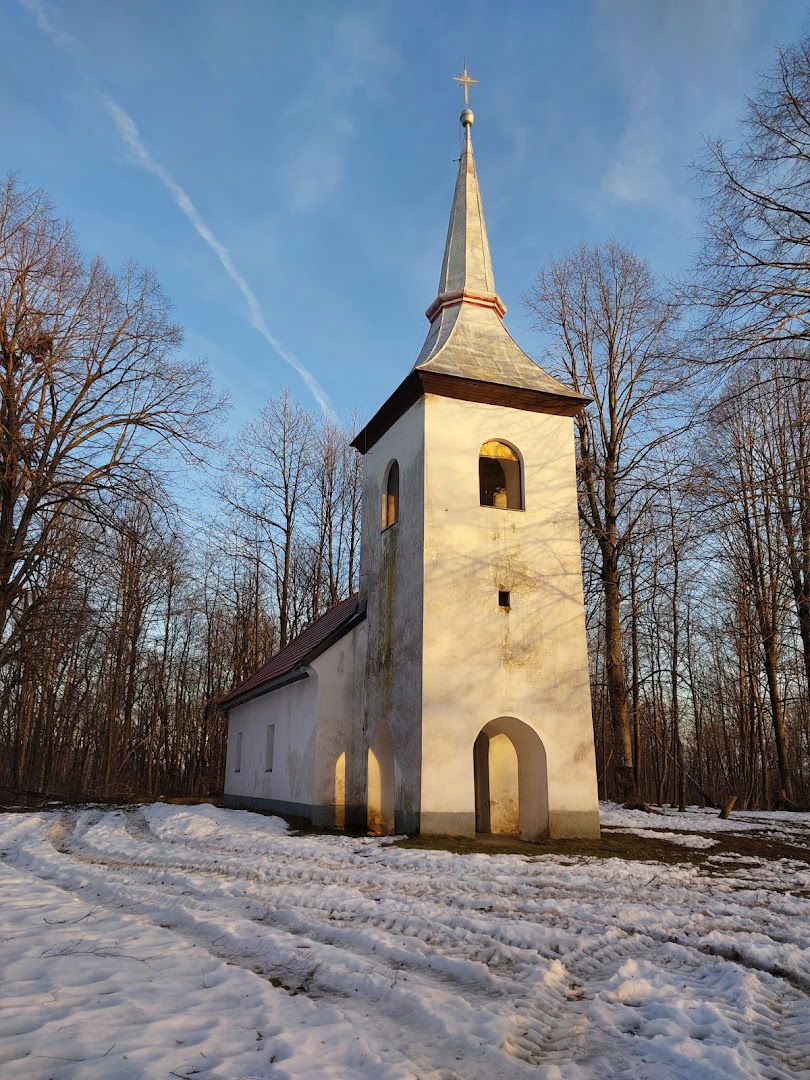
point(340, 792)
point(511, 780)
point(380, 781)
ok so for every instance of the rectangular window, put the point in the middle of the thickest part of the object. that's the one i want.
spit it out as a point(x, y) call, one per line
point(237, 760)
point(504, 599)
point(268, 751)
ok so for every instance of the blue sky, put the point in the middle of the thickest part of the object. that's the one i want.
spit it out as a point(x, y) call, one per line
point(316, 142)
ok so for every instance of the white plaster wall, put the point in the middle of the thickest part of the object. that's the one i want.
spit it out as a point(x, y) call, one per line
point(482, 661)
point(293, 709)
point(391, 570)
point(341, 676)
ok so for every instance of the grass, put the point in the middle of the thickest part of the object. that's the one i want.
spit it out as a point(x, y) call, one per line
point(611, 846)
point(622, 845)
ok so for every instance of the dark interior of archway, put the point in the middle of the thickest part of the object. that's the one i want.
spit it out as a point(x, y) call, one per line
point(481, 783)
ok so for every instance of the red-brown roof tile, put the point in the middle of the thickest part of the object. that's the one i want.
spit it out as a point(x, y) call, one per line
point(332, 624)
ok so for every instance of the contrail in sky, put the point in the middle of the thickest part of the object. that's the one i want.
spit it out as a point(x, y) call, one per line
point(128, 130)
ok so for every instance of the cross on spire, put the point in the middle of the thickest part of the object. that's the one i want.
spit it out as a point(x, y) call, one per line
point(466, 82)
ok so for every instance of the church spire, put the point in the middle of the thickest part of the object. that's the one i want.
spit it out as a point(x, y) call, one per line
point(467, 266)
point(468, 352)
point(467, 339)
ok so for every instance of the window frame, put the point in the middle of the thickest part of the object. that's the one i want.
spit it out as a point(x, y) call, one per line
point(269, 747)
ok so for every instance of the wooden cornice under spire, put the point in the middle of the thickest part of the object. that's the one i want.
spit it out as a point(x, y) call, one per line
point(421, 382)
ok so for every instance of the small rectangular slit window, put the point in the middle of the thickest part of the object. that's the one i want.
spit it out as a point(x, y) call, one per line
point(503, 598)
point(268, 752)
point(237, 765)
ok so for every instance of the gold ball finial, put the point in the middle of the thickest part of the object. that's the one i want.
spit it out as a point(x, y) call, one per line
point(467, 117)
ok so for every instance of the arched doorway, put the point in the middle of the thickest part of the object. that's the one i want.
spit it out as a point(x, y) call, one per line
point(340, 792)
point(380, 789)
point(511, 780)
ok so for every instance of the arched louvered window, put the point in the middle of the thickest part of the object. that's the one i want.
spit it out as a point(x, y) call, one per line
point(390, 499)
point(500, 476)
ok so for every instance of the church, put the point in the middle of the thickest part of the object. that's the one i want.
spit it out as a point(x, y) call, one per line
point(450, 694)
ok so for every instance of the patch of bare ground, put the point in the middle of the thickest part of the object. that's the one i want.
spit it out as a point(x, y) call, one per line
point(618, 845)
point(723, 857)
point(762, 847)
point(35, 802)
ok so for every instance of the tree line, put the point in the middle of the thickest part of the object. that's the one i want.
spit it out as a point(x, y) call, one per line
point(122, 622)
point(694, 477)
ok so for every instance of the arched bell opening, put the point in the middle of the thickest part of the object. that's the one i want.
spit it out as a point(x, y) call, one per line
point(500, 475)
point(380, 781)
point(511, 780)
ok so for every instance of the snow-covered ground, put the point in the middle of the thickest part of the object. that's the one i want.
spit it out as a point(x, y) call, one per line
point(197, 942)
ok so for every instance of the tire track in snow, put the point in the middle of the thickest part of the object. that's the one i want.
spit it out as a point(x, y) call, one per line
point(130, 868)
point(730, 954)
point(778, 1039)
point(704, 969)
point(331, 924)
point(475, 953)
point(512, 948)
point(318, 872)
point(382, 1003)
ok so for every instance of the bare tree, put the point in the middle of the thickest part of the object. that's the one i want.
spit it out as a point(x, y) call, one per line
point(119, 629)
point(756, 260)
point(91, 392)
point(613, 337)
point(333, 507)
point(786, 451)
point(273, 459)
point(761, 520)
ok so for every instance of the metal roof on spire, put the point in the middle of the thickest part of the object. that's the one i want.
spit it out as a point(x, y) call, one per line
point(467, 264)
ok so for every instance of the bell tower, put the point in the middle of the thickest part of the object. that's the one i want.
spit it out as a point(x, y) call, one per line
point(477, 702)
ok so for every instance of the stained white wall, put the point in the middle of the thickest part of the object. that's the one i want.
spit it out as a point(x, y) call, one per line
point(293, 710)
point(483, 661)
point(442, 659)
point(341, 677)
point(316, 719)
point(391, 570)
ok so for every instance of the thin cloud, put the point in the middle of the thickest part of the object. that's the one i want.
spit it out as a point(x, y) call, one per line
point(58, 37)
point(357, 58)
point(128, 130)
point(649, 49)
